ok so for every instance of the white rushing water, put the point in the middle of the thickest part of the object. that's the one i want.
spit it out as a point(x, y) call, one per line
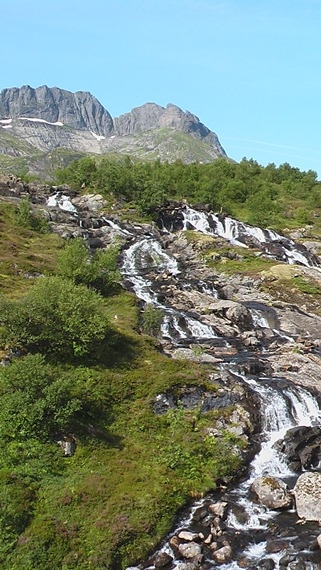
point(232, 230)
point(59, 200)
point(146, 255)
point(226, 227)
point(281, 409)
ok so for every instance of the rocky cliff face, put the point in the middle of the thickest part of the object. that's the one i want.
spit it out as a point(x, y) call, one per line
point(51, 118)
point(151, 116)
point(79, 110)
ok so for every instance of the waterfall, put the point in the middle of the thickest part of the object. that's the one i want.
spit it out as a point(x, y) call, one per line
point(238, 233)
point(282, 404)
point(145, 255)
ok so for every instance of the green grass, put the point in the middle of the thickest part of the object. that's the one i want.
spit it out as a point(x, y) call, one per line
point(306, 286)
point(24, 253)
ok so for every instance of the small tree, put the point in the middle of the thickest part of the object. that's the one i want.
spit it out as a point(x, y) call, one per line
point(57, 317)
point(151, 320)
point(35, 401)
point(98, 270)
point(26, 218)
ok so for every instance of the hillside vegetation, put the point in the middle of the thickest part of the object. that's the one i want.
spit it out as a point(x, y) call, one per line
point(265, 196)
point(87, 366)
point(83, 373)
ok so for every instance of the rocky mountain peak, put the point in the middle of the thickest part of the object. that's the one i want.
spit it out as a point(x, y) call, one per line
point(80, 110)
point(151, 116)
point(49, 118)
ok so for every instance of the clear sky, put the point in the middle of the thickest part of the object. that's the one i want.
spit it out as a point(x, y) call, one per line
point(249, 69)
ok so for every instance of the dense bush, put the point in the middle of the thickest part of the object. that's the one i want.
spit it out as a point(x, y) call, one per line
point(98, 270)
point(26, 218)
point(57, 317)
point(36, 401)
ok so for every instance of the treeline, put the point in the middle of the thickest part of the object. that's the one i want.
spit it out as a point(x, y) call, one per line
point(259, 195)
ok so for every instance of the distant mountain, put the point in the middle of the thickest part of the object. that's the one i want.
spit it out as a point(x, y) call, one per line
point(36, 123)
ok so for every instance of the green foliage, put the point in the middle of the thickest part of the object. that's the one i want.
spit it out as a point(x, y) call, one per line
point(27, 219)
point(246, 190)
point(98, 270)
point(35, 401)
point(57, 317)
point(80, 172)
point(152, 320)
point(305, 286)
point(197, 459)
point(263, 209)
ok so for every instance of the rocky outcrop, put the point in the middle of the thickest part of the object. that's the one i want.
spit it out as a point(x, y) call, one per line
point(47, 118)
point(151, 116)
point(80, 110)
point(301, 447)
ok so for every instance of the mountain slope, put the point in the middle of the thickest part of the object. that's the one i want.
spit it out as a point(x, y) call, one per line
point(46, 118)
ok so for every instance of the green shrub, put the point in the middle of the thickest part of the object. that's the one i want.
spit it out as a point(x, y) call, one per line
point(27, 219)
point(57, 317)
point(152, 320)
point(35, 401)
point(98, 270)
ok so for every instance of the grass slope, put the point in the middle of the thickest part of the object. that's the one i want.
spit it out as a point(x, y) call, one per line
point(113, 501)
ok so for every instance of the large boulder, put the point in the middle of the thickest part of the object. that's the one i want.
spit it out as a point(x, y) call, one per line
point(307, 493)
point(190, 549)
point(272, 492)
point(241, 316)
point(302, 447)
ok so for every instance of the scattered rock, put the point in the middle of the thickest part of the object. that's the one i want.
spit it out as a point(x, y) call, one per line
point(190, 549)
point(301, 447)
point(272, 492)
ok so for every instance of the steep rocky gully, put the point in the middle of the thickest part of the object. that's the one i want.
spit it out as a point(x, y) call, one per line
point(265, 354)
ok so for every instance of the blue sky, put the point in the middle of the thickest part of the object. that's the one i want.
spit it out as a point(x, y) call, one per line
point(249, 69)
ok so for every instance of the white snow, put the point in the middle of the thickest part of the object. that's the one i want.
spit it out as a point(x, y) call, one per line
point(5, 121)
point(6, 126)
point(98, 137)
point(36, 120)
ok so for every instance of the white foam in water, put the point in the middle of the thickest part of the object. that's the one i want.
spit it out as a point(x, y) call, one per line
point(232, 230)
point(172, 321)
point(116, 227)
point(143, 255)
point(61, 201)
point(199, 330)
point(282, 406)
point(280, 411)
point(259, 320)
point(256, 551)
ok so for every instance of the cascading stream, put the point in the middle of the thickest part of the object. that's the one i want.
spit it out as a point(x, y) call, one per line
point(238, 232)
point(282, 407)
point(144, 256)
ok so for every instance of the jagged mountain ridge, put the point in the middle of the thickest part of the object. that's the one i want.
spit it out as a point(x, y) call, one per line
point(53, 118)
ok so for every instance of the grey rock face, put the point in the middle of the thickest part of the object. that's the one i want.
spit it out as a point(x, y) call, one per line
point(47, 118)
point(79, 110)
point(151, 116)
point(302, 447)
